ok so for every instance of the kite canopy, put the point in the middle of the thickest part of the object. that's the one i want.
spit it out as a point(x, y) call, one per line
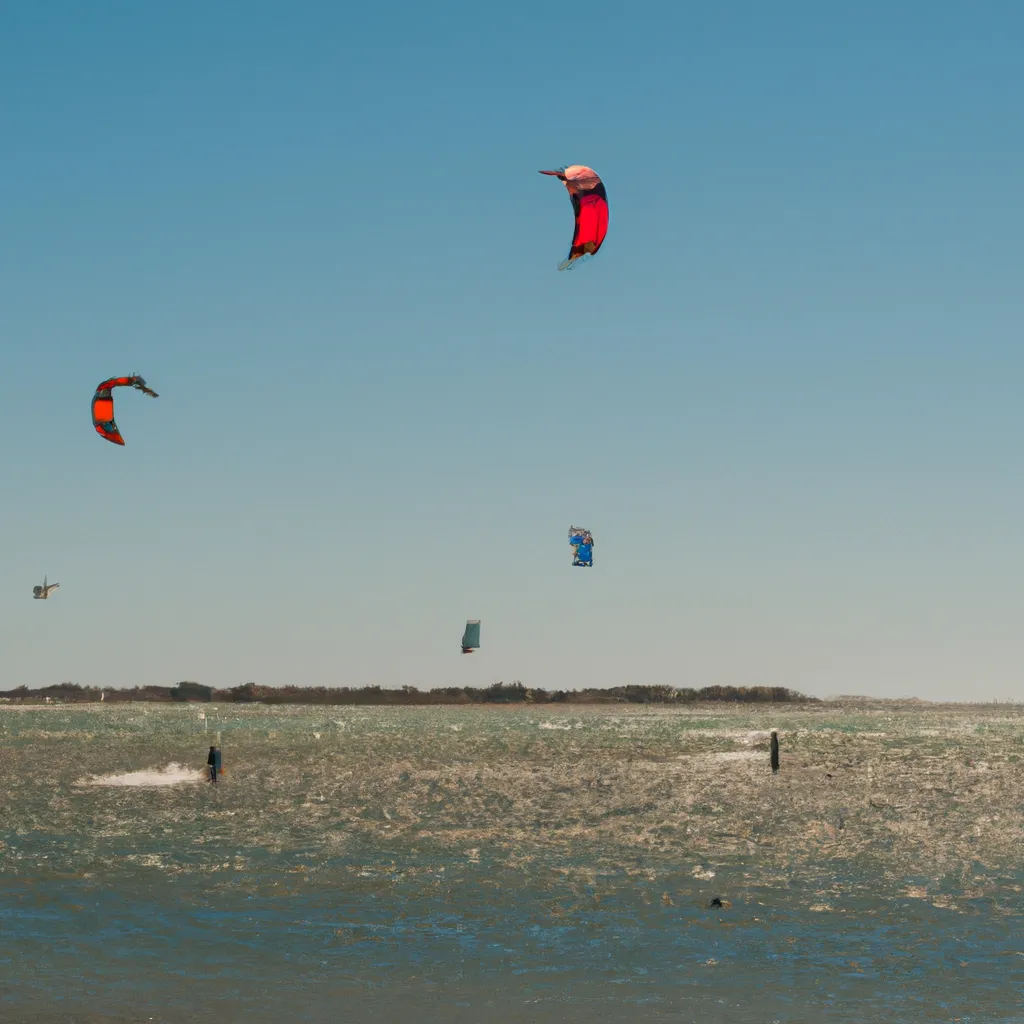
point(582, 542)
point(43, 592)
point(471, 637)
point(589, 207)
point(103, 405)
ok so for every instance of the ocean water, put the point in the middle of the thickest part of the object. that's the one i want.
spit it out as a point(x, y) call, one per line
point(512, 864)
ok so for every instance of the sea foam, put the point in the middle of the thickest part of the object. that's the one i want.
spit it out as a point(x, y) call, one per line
point(172, 775)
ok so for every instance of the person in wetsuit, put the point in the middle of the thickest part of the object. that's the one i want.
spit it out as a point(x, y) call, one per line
point(212, 762)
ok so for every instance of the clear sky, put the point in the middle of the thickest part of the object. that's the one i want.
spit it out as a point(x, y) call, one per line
point(786, 396)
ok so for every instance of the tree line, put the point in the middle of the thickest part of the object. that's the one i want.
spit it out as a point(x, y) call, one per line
point(499, 693)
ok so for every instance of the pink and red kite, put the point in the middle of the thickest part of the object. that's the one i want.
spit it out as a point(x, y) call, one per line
point(589, 207)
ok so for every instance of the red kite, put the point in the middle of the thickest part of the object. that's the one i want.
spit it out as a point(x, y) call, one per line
point(103, 405)
point(589, 207)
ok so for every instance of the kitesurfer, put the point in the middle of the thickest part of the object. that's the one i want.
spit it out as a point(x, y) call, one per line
point(212, 762)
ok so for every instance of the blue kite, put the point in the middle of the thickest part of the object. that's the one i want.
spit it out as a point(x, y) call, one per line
point(582, 542)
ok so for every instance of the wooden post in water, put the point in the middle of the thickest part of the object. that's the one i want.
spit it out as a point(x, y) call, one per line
point(775, 752)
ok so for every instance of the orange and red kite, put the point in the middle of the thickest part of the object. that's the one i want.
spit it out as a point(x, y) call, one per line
point(103, 405)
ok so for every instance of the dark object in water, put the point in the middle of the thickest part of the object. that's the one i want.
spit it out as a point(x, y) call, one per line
point(214, 763)
point(775, 751)
point(716, 902)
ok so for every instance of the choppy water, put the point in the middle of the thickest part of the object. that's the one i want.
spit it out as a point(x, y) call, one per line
point(514, 864)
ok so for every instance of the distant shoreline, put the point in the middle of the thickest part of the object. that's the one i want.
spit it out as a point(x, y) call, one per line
point(500, 694)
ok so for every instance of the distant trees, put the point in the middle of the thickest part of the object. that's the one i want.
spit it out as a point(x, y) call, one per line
point(64, 693)
point(192, 691)
point(498, 693)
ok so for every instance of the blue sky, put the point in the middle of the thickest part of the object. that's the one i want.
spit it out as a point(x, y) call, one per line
point(785, 396)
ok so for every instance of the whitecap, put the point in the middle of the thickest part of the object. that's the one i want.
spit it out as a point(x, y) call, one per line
point(172, 775)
